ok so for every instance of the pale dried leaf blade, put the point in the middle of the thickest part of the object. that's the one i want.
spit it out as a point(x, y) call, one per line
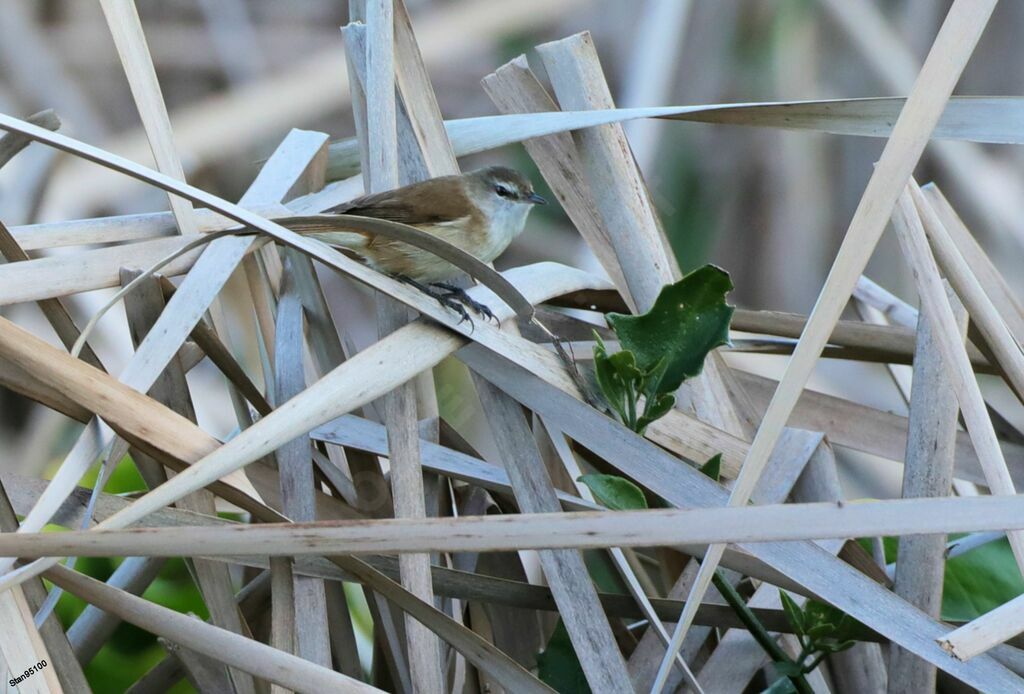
point(993, 119)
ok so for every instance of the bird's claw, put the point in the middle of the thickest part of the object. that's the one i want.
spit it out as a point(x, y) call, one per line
point(481, 309)
point(458, 294)
point(453, 298)
point(455, 305)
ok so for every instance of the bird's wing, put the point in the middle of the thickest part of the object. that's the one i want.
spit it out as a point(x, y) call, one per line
point(327, 229)
point(427, 203)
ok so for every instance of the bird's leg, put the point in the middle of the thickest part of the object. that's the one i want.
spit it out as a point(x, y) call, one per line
point(444, 298)
point(459, 294)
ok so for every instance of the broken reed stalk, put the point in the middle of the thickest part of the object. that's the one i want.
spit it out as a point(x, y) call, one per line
point(927, 472)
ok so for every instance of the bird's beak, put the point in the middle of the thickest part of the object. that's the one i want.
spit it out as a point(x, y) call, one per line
point(536, 199)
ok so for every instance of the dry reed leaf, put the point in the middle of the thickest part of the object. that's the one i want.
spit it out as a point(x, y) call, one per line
point(983, 311)
point(56, 276)
point(852, 425)
point(126, 29)
point(304, 600)
point(539, 530)
point(989, 119)
point(447, 582)
point(994, 119)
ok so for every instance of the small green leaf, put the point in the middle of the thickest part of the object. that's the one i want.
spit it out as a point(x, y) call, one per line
point(817, 612)
point(617, 493)
point(843, 625)
point(655, 409)
point(713, 468)
point(689, 319)
point(821, 631)
point(652, 378)
point(624, 364)
point(607, 376)
point(794, 614)
point(834, 646)
point(559, 667)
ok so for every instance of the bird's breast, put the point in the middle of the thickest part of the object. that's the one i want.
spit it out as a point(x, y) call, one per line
point(505, 224)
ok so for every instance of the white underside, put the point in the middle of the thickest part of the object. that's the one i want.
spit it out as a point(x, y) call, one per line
point(507, 222)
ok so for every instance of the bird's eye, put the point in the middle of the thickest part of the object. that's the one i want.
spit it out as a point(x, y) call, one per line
point(503, 191)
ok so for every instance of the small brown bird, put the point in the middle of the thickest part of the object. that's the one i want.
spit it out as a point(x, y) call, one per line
point(480, 212)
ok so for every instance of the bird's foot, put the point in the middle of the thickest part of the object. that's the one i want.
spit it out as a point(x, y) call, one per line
point(459, 294)
point(450, 302)
point(445, 297)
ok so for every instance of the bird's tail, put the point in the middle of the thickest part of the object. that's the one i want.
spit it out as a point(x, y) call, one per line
point(330, 231)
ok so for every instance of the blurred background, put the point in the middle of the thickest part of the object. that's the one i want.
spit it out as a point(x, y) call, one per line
point(770, 207)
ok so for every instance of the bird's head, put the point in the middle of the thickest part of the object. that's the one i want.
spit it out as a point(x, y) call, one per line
point(499, 190)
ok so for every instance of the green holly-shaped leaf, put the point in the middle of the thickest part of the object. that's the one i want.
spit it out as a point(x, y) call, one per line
point(689, 319)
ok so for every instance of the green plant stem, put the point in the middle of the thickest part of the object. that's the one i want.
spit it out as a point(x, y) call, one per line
point(805, 649)
point(757, 630)
point(648, 399)
point(631, 407)
point(814, 663)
